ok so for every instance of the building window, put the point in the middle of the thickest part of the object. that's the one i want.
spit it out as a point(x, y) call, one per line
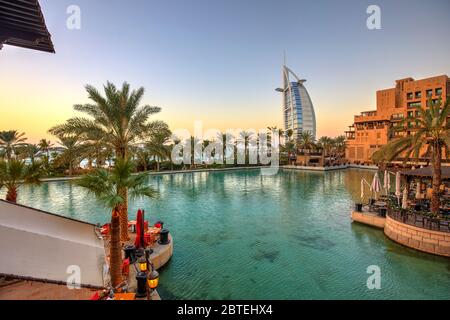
point(429, 93)
point(418, 94)
point(410, 114)
point(439, 91)
point(414, 104)
point(409, 95)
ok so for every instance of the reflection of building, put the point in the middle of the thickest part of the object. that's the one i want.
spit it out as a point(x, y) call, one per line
point(298, 110)
point(370, 129)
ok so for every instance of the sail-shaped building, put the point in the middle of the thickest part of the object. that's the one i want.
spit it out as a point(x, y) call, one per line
point(298, 110)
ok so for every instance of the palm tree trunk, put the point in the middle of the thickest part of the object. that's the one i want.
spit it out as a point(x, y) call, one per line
point(121, 152)
point(157, 165)
point(435, 201)
point(11, 195)
point(123, 212)
point(115, 251)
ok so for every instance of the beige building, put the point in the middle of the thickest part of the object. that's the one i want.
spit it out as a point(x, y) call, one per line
point(370, 129)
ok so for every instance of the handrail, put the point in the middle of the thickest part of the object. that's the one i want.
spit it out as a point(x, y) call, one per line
point(419, 221)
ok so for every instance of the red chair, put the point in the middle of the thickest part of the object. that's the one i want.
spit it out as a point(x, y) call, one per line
point(105, 229)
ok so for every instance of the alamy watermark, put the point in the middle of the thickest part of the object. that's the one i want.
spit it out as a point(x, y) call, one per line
point(73, 21)
point(374, 280)
point(373, 22)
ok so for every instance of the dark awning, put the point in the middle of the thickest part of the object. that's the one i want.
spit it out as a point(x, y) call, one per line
point(22, 24)
point(426, 172)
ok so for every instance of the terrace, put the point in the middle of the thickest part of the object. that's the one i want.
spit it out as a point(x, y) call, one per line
point(405, 216)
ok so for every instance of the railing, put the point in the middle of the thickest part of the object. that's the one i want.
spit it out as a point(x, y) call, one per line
point(420, 221)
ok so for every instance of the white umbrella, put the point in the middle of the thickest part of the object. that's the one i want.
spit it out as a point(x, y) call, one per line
point(398, 193)
point(387, 182)
point(418, 193)
point(405, 199)
point(376, 186)
point(362, 188)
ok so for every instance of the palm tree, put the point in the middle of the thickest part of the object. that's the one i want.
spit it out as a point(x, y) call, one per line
point(15, 173)
point(246, 136)
point(340, 143)
point(31, 151)
point(429, 130)
point(222, 138)
point(11, 139)
point(119, 119)
point(306, 141)
point(158, 146)
point(72, 154)
point(45, 146)
point(106, 186)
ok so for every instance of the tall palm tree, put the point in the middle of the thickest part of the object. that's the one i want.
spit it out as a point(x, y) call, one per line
point(120, 119)
point(429, 131)
point(106, 186)
point(15, 173)
point(11, 139)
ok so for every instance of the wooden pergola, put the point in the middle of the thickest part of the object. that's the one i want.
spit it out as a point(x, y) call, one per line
point(22, 24)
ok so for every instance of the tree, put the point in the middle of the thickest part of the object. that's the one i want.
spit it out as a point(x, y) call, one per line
point(306, 141)
point(428, 133)
point(245, 136)
point(73, 152)
point(27, 150)
point(15, 173)
point(119, 119)
point(45, 146)
point(106, 186)
point(9, 140)
point(158, 145)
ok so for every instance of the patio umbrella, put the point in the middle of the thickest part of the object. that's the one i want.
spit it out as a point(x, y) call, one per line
point(362, 188)
point(387, 182)
point(418, 193)
point(397, 186)
point(405, 199)
point(139, 242)
point(376, 186)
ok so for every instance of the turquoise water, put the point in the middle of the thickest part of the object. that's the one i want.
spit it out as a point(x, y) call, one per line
point(241, 235)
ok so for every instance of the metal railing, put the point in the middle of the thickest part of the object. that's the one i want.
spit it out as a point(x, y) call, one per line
point(420, 221)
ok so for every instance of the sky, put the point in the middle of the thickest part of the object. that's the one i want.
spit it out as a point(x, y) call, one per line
point(219, 61)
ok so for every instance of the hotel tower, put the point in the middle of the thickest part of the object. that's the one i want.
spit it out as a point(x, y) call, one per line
point(298, 110)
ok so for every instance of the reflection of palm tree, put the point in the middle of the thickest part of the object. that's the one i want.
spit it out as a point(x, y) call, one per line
point(119, 119)
point(107, 187)
point(429, 130)
point(9, 140)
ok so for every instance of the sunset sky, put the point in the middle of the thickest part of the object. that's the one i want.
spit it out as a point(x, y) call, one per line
point(219, 61)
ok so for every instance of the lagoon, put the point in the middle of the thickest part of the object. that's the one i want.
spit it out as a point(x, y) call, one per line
point(242, 235)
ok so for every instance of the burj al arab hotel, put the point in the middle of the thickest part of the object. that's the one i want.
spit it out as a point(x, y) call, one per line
point(298, 110)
